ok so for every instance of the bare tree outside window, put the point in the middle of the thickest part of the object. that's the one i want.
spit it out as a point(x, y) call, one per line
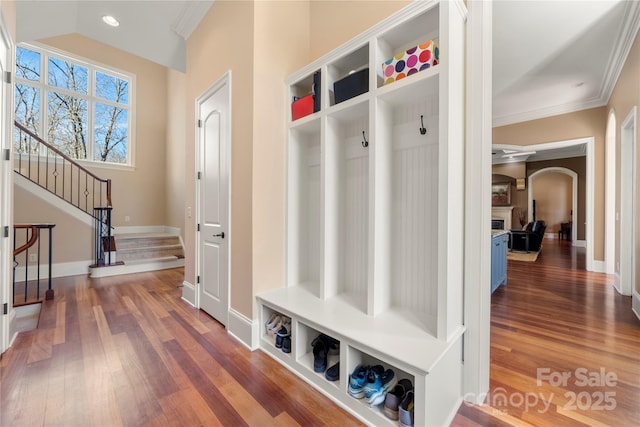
point(87, 111)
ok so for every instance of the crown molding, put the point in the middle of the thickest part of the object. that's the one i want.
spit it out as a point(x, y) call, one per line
point(621, 49)
point(551, 111)
point(616, 61)
point(190, 17)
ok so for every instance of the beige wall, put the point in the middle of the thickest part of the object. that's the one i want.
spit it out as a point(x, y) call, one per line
point(224, 41)
point(625, 96)
point(552, 192)
point(72, 239)
point(585, 123)
point(579, 166)
point(8, 9)
point(283, 24)
point(335, 22)
point(175, 158)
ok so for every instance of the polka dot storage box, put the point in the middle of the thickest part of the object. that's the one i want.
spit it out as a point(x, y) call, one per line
point(409, 62)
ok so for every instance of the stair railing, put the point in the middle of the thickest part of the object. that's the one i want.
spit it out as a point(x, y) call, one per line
point(56, 172)
point(29, 289)
point(50, 168)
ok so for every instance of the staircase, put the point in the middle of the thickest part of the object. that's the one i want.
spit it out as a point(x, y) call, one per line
point(46, 166)
point(138, 252)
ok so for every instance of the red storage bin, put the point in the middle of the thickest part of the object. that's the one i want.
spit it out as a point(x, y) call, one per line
point(302, 107)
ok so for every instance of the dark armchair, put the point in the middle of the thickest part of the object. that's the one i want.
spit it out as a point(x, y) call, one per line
point(529, 239)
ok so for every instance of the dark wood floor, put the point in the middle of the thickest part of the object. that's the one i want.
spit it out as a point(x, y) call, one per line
point(128, 351)
point(554, 318)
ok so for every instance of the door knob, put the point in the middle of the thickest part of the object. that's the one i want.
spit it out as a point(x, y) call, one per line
point(221, 234)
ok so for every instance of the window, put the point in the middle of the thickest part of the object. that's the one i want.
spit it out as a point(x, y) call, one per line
point(81, 108)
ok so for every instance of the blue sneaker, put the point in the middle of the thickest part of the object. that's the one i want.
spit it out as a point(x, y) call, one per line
point(375, 391)
point(373, 381)
point(357, 381)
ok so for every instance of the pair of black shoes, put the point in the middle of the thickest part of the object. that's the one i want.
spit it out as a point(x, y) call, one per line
point(323, 345)
point(283, 336)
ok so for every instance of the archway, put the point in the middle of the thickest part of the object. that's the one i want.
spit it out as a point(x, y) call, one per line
point(574, 191)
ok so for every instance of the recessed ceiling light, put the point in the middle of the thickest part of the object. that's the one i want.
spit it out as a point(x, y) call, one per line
point(110, 20)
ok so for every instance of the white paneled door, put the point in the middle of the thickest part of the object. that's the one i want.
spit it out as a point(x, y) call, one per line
point(214, 137)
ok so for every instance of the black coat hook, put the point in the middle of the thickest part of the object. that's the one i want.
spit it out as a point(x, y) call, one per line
point(423, 130)
point(365, 143)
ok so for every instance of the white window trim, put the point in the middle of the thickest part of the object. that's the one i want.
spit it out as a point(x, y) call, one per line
point(92, 66)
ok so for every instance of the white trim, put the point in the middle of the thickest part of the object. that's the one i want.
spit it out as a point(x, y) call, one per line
point(135, 229)
point(628, 188)
point(477, 208)
point(616, 281)
point(580, 243)
point(610, 193)
point(635, 303)
point(152, 264)
point(189, 293)
point(6, 189)
point(599, 266)
point(61, 269)
point(224, 80)
point(243, 329)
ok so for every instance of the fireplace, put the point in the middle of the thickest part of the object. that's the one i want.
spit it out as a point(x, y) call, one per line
point(502, 213)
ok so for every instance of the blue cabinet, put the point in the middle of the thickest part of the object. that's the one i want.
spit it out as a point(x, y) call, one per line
point(498, 259)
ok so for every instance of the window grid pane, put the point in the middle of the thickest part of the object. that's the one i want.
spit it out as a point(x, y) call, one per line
point(110, 134)
point(76, 122)
point(27, 64)
point(112, 88)
point(67, 124)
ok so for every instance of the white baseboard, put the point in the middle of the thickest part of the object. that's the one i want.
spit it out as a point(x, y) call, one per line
point(12, 327)
point(244, 329)
point(599, 266)
point(189, 293)
point(616, 282)
point(635, 303)
point(61, 269)
point(141, 266)
point(580, 243)
point(175, 231)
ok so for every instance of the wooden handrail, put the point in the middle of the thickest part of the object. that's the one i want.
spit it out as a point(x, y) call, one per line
point(67, 158)
point(34, 236)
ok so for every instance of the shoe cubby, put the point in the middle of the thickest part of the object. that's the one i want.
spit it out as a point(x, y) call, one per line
point(350, 66)
point(375, 205)
point(357, 358)
point(306, 359)
point(304, 210)
point(271, 323)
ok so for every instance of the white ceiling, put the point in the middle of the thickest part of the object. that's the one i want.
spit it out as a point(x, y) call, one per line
point(549, 57)
point(554, 57)
point(152, 29)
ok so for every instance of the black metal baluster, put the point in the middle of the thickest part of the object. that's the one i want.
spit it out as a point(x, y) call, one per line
point(38, 268)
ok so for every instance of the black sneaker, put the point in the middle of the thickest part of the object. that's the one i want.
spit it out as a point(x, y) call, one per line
point(286, 344)
point(319, 356)
point(333, 373)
